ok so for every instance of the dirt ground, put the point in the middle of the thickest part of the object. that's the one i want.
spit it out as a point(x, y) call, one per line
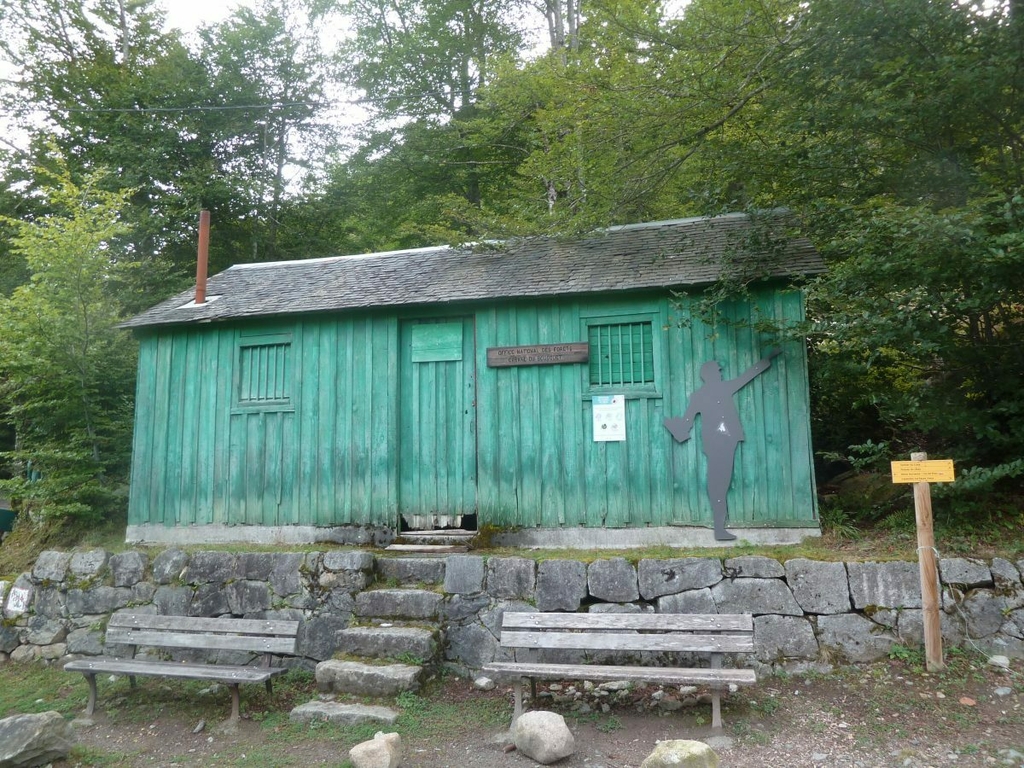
point(888, 714)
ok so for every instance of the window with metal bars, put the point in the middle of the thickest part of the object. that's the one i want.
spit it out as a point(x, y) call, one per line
point(621, 354)
point(264, 376)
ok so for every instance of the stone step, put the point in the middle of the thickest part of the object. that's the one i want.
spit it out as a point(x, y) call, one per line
point(389, 642)
point(357, 679)
point(450, 539)
point(411, 570)
point(408, 604)
point(428, 549)
point(445, 534)
point(342, 714)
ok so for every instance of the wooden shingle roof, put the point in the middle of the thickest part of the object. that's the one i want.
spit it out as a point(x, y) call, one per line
point(665, 254)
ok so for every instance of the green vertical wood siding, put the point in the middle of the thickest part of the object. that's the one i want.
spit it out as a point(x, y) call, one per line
point(365, 435)
point(437, 425)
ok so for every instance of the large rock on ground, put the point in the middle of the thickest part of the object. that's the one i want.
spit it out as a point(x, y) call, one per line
point(681, 753)
point(29, 740)
point(384, 750)
point(543, 737)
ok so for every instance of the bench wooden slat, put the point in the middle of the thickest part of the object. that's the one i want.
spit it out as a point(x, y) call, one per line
point(262, 636)
point(660, 675)
point(171, 639)
point(216, 672)
point(668, 622)
point(713, 634)
point(202, 624)
point(607, 641)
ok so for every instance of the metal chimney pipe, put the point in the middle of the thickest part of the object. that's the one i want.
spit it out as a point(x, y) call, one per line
point(204, 256)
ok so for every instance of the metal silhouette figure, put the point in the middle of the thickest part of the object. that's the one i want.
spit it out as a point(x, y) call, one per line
point(720, 432)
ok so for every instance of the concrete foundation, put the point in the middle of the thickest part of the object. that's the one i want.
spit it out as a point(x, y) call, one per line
point(355, 535)
point(634, 538)
point(531, 538)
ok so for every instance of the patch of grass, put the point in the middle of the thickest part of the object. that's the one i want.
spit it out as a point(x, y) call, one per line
point(97, 758)
point(906, 653)
point(426, 716)
point(33, 688)
point(259, 756)
point(766, 707)
point(757, 735)
point(603, 723)
point(408, 658)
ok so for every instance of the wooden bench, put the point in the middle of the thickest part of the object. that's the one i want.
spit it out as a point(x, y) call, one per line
point(249, 635)
point(622, 633)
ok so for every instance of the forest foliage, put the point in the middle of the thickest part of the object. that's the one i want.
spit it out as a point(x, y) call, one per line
point(893, 132)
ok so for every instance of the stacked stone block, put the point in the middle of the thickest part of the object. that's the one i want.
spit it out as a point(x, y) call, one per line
point(805, 611)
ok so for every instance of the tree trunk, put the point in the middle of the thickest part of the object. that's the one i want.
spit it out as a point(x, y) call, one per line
point(123, 17)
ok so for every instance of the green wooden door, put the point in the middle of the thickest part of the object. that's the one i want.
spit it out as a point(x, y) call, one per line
point(437, 423)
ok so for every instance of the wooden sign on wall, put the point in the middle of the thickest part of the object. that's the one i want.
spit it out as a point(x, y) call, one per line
point(538, 354)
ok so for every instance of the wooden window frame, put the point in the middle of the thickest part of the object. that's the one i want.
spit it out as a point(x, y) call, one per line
point(247, 342)
point(645, 389)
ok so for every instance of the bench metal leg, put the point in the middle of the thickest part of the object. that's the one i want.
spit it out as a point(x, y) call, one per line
point(90, 708)
point(716, 709)
point(716, 695)
point(234, 703)
point(518, 693)
point(270, 687)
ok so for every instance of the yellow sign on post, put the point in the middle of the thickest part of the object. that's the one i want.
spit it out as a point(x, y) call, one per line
point(921, 472)
point(939, 471)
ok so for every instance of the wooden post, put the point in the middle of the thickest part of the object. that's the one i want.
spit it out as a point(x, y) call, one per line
point(929, 572)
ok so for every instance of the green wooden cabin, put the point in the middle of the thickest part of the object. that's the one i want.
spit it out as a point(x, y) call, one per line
point(353, 397)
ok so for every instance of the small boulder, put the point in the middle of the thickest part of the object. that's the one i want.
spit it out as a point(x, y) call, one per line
point(30, 740)
point(681, 753)
point(384, 750)
point(483, 683)
point(543, 737)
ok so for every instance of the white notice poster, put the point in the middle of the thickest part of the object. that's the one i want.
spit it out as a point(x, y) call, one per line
point(609, 418)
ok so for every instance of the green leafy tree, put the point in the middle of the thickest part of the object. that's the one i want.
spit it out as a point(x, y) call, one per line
point(427, 166)
point(426, 59)
point(224, 127)
point(66, 370)
point(267, 89)
point(896, 132)
point(103, 83)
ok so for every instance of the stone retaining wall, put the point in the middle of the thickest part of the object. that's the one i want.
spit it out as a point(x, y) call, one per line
point(806, 612)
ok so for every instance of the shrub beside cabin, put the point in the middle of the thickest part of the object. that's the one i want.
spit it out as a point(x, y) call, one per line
point(353, 397)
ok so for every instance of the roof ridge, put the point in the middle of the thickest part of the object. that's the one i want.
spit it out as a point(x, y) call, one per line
point(339, 257)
